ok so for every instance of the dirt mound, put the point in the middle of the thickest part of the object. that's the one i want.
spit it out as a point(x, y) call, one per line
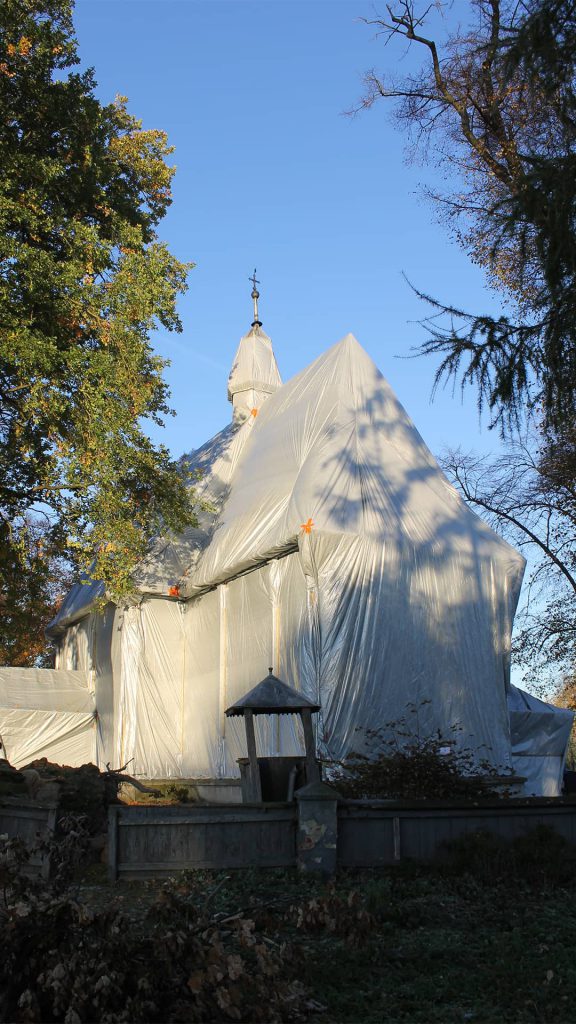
point(12, 782)
point(84, 790)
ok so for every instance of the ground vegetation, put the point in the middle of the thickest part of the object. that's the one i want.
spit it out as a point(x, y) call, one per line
point(399, 761)
point(487, 935)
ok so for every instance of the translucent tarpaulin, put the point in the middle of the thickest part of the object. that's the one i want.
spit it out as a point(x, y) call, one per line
point(254, 374)
point(335, 551)
point(540, 733)
point(46, 713)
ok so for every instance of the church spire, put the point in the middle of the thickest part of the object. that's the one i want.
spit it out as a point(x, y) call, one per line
point(255, 296)
point(254, 374)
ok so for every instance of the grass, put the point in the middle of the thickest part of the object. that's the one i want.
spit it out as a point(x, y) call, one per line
point(408, 945)
point(452, 951)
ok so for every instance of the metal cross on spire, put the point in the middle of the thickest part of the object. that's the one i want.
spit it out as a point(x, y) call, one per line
point(255, 296)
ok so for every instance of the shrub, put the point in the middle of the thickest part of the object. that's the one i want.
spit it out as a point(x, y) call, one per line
point(65, 963)
point(397, 763)
point(541, 857)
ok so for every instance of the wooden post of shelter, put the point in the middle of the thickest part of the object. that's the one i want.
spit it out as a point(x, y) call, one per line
point(273, 697)
point(251, 744)
point(312, 769)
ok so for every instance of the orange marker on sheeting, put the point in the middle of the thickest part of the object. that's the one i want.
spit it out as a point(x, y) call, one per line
point(253, 412)
point(173, 591)
point(307, 527)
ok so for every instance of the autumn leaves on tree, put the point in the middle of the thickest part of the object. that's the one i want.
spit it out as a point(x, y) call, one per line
point(83, 281)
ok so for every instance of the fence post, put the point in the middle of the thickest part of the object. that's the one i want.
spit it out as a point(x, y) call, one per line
point(113, 810)
point(50, 830)
point(317, 843)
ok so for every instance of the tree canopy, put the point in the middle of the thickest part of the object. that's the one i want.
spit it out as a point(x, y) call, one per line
point(531, 500)
point(84, 279)
point(498, 100)
point(35, 577)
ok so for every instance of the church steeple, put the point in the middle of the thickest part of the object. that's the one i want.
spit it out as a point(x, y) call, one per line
point(254, 374)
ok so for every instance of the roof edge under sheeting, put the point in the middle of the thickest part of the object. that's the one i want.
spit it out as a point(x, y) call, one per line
point(80, 600)
point(189, 592)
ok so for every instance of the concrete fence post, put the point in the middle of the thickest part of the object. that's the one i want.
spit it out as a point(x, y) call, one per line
point(317, 841)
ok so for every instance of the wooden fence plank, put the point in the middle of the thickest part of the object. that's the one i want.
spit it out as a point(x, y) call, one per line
point(30, 822)
point(162, 840)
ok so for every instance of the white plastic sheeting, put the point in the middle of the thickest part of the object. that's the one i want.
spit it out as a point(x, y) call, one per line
point(46, 713)
point(204, 686)
point(333, 451)
point(87, 646)
point(258, 609)
point(102, 681)
point(334, 551)
point(407, 640)
point(150, 736)
point(183, 664)
point(409, 597)
point(540, 733)
point(254, 374)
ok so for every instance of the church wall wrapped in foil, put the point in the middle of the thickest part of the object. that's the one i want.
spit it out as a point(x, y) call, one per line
point(332, 548)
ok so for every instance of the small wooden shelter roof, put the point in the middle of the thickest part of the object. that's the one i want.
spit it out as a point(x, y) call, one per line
point(272, 697)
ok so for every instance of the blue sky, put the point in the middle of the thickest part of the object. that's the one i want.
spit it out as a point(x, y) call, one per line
point(271, 174)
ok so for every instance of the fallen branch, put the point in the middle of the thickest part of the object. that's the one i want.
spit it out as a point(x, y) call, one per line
point(251, 908)
point(118, 775)
point(213, 892)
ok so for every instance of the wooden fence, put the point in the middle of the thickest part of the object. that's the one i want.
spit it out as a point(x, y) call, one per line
point(29, 821)
point(159, 841)
point(316, 832)
point(374, 834)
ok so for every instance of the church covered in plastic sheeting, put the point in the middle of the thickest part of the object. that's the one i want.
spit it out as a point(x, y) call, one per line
point(331, 547)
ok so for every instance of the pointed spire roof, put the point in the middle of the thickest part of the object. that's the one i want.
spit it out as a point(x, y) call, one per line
point(254, 374)
point(271, 696)
point(254, 366)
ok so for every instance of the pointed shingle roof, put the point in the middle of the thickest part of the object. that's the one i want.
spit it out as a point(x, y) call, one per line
point(271, 696)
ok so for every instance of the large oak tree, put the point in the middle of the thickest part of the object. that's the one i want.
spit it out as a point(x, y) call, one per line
point(84, 280)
